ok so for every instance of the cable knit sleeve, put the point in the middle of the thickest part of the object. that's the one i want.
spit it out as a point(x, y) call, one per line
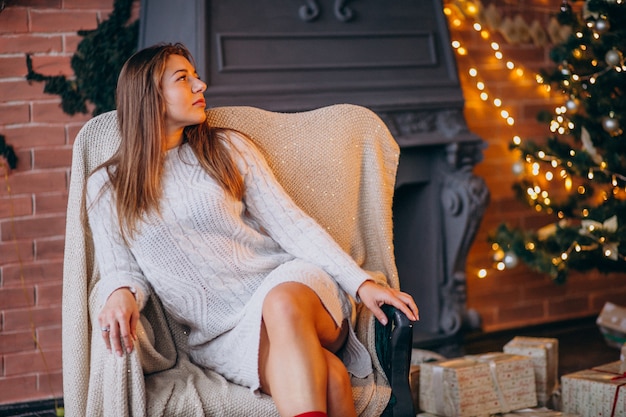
point(295, 231)
point(116, 263)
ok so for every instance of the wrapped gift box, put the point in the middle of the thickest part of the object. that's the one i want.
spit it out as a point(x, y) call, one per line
point(612, 324)
point(477, 385)
point(544, 353)
point(414, 383)
point(538, 412)
point(600, 391)
point(526, 412)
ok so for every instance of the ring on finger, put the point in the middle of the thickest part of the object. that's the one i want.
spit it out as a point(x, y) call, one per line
point(106, 329)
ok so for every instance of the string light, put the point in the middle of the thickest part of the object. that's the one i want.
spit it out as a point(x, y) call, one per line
point(561, 123)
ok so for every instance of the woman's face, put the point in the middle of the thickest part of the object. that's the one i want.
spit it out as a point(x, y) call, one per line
point(183, 93)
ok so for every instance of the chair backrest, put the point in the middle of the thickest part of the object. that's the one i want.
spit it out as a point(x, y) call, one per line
point(338, 163)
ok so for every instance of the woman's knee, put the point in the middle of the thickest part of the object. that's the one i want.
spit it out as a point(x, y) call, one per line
point(287, 301)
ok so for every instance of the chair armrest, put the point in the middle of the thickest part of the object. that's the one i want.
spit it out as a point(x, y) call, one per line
point(394, 346)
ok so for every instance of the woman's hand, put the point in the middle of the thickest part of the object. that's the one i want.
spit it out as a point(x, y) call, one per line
point(374, 296)
point(118, 320)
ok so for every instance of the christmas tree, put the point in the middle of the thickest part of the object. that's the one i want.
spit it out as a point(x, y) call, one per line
point(577, 174)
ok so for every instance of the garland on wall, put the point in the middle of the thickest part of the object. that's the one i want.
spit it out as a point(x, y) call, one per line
point(97, 62)
point(8, 157)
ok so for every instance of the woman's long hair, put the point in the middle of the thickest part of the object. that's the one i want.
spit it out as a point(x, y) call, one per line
point(135, 170)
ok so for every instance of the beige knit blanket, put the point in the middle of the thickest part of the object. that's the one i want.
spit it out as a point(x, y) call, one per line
point(338, 163)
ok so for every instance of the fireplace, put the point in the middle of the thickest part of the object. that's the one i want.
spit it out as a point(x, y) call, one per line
point(389, 55)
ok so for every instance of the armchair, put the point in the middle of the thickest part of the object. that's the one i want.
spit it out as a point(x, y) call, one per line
point(339, 164)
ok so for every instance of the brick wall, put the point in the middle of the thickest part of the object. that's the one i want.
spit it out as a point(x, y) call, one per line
point(32, 215)
point(517, 297)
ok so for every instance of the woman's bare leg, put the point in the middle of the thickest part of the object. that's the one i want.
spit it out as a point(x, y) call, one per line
point(296, 364)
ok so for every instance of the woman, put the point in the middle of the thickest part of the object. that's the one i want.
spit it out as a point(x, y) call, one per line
point(194, 214)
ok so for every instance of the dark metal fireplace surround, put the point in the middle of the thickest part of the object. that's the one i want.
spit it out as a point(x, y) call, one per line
point(392, 56)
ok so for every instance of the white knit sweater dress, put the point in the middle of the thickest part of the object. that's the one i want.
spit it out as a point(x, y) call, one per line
point(212, 259)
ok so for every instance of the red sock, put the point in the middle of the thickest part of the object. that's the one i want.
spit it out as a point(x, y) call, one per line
point(313, 414)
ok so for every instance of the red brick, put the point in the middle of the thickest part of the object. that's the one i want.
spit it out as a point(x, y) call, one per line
point(521, 312)
point(49, 337)
point(33, 272)
point(33, 227)
point(24, 160)
point(51, 384)
point(46, 158)
point(49, 294)
point(15, 113)
point(40, 135)
point(16, 341)
point(53, 65)
point(71, 42)
point(30, 43)
point(15, 206)
point(14, 252)
point(39, 316)
point(49, 248)
point(36, 182)
point(51, 203)
point(12, 66)
point(20, 90)
point(13, 20)
point(569, 306)
point(88, 4)
point(610, 296)
point(34, 361)
point(506, 296)
point(42, 4)
point(52, 112)
point(62, 20)
point(18, 388)
point(72, 131)
point(17, 297)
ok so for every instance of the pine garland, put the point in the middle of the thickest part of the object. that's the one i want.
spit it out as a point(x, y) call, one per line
point(97, 62)
point(7, 152)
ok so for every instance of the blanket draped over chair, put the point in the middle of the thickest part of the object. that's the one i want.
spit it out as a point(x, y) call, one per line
point(338, 163)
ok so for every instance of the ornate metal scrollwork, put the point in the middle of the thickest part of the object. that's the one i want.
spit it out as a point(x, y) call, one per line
point(343, 13)
point(309, 11)
point(464, 198)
